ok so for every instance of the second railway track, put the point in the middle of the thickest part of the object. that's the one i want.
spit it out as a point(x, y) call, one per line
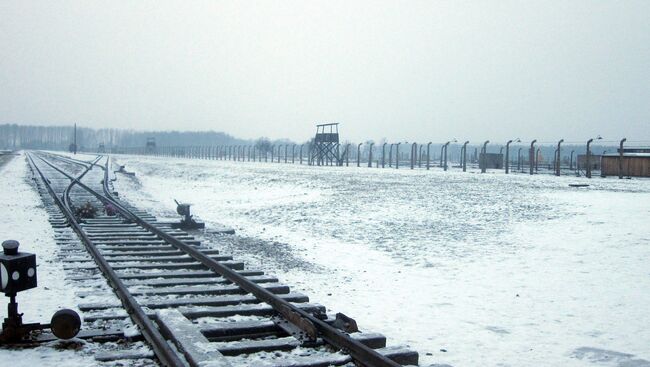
point(191, 304)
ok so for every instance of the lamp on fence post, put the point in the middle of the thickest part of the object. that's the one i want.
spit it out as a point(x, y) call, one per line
point(531, 158)
point(428, 154)
point(484, 158)
point(465, 155)
point(537, 160)
point(589, 155)
point(383, 155)
point(557, 167)
point(620, 159)
point(370, 156)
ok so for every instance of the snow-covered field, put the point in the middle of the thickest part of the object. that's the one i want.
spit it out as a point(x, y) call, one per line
point(469, 269)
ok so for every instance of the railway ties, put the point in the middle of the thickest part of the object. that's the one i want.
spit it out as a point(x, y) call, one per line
point(178, 290)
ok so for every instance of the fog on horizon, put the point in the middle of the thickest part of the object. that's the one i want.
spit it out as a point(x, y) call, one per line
point(417, 70)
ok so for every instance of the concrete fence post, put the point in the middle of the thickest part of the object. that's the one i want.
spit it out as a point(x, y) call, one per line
point(465, 155)
point(531, 156)
point(397, 155)
point(558, 161)
point(484, 157)
point(414, 148)
point(620, 159)
point(359, 155)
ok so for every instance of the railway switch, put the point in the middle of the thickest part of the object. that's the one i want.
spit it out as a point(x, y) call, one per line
point(188, 221)
point(17, 274)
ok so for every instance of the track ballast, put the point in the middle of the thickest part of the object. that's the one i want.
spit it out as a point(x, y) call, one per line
point(191, 304)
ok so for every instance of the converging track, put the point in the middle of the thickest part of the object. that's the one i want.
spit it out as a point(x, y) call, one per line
point(191, 304)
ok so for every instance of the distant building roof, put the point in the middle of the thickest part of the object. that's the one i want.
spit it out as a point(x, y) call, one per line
point(627, 154)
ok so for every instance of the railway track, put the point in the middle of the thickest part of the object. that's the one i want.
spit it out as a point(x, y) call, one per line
point(191, 304)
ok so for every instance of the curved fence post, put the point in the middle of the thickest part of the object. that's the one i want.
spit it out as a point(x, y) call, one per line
point(359, 155)
point(620, 160)
point(347, 155)
point(445, 161)
point(484, 157)
point(428, 155)
point(414, 148)
point(370, 155)
point(557, 167)
point(383, 155)
point(531, 156)
point(397, 155)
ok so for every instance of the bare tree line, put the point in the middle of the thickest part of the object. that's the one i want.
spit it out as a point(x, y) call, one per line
point(13, 136)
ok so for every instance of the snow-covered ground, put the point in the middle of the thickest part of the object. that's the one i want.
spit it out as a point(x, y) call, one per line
point(23, 218)
point(468, 269)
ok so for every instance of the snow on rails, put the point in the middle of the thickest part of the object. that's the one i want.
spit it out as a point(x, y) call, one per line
point(191, 304)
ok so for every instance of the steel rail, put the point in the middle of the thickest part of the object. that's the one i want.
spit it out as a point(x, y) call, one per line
point(75, 161)
point(312, 325)
point(150, 332)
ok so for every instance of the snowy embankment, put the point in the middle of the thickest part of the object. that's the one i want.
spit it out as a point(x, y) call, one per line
point(23, 218)
point(468, 269)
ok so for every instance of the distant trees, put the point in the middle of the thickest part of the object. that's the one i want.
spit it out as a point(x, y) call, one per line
point(263, 145)
point(13, 136)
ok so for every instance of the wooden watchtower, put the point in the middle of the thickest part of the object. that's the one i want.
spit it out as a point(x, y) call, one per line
point(325, 148)
point(151, 145)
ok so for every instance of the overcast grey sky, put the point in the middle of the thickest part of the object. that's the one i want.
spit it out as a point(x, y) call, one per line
point(410, 70)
